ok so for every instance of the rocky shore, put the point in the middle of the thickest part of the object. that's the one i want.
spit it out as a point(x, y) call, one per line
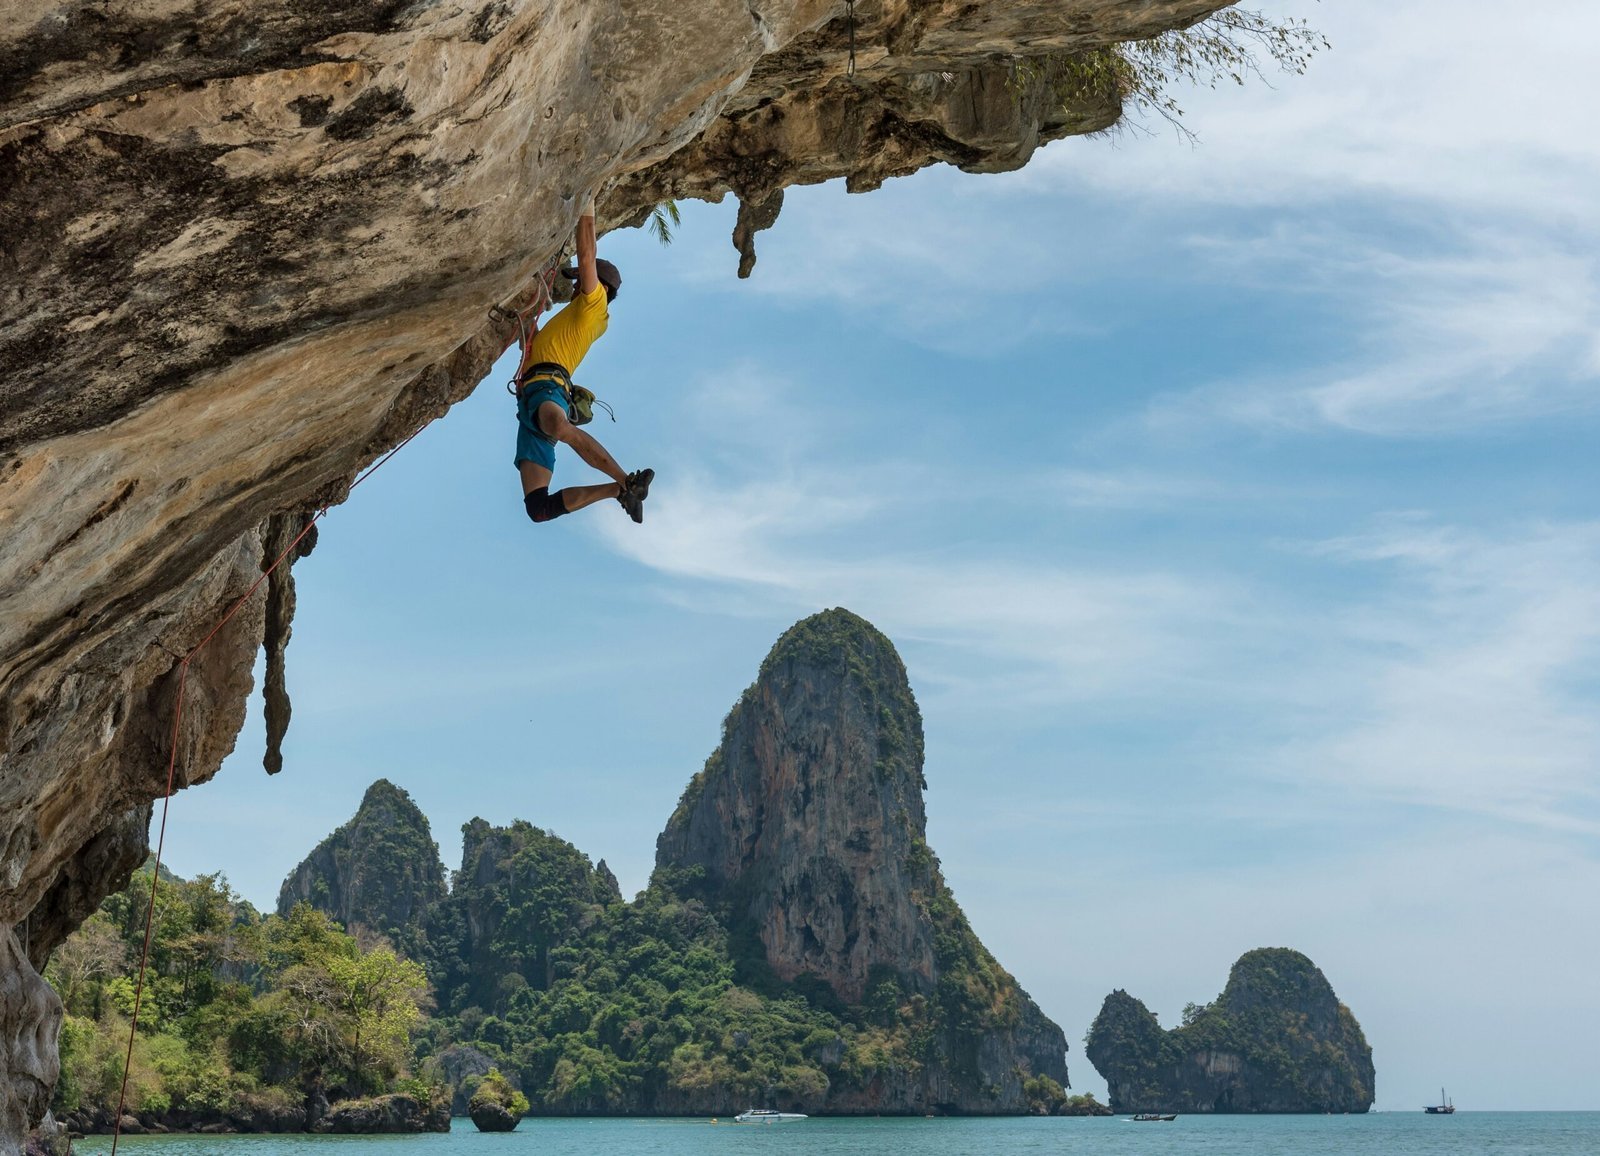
point(392, 1114)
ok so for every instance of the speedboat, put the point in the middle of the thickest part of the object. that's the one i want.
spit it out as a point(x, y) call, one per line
point(766, 1116)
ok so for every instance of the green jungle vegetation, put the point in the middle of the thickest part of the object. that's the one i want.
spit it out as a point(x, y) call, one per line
point(494, 1090)
point(1292, 1055)
point(532, 965)
point(239, 1013)
point(593, 1005)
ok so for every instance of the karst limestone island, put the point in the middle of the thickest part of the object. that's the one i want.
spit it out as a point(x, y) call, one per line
point(1276, 1040)
point(248, 249)
point(796, 947)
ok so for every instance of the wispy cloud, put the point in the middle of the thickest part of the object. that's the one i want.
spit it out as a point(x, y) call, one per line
point(1444, 669)
point(1447, 226)
point(1439, 344)
point(1413, 105)
point(1129, 488)
point(1471, 684)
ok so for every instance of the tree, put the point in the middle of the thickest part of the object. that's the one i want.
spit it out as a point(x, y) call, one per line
point(380, 996)
point(93, 953)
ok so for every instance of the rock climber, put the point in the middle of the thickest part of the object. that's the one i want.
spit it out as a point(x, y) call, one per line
point(545, 395)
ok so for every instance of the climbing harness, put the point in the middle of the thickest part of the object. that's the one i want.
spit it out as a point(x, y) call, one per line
point(582, 401)
point(172, 766)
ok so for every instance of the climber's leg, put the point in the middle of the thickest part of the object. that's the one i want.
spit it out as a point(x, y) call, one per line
point(555, 425)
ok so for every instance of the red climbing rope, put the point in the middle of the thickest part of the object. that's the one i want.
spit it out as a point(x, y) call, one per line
point(172, 765)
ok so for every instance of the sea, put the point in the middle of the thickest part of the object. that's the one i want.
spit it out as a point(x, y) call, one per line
point(1375, 1134)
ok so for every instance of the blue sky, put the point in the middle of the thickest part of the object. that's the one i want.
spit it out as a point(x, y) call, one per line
point(1232, 506)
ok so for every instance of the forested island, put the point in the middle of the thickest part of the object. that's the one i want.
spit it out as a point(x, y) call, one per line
point(1276, 1040)
point(796, 947)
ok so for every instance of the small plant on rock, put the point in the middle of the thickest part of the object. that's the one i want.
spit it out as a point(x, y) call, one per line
point(496, 1106)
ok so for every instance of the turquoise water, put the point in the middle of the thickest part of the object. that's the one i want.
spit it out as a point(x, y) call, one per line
point(1382, 1134)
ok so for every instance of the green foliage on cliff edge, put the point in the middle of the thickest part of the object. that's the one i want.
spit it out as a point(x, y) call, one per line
point(666, 1004)
point(662, 1005)
point(241, 1015)
point(596, 1005)
point(846, 644)
point(1300, 1049)
point(386, 865)
point(495, 1089)
point(521, 893)
point(1230, 45)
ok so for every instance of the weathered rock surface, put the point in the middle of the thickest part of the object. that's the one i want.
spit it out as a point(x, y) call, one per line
point(49, 1139)
point(453, 1066)
point(248, 249)
point(1276, 1040)
point(381, 870)
point(808, 821)
point(30, 1023)
point(496, 1106)
point(252, 1114)
point(384, 1114)
point(811, 810)
point(494, 1118)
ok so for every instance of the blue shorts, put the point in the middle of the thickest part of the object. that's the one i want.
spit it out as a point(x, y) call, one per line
point(532, 444)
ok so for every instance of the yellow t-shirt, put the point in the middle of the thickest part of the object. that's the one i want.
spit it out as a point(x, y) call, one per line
point(567, 336)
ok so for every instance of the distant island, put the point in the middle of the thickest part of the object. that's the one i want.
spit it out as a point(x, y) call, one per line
point(1276, 1040)
point(796, 948)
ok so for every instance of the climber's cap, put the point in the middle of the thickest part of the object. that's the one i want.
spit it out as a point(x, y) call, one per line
point(606, 271)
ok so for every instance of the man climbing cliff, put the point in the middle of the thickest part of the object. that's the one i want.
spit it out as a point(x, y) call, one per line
point(545, 395)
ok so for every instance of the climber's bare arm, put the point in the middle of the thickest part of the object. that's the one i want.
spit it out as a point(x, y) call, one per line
point(588, 279)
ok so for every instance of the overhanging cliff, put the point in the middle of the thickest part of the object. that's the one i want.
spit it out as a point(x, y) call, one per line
point(247, 249)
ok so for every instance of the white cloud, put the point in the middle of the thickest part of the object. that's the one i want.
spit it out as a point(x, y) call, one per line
point(1470, 686)
point(1058, 632)
point(739, 514)
point(1470, 283)
point(1445, 672)
point(1436, 200)
point(1440, 343)
point(1433, 103)
point(1129, 488)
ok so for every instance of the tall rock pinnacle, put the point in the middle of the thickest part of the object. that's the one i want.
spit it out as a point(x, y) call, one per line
point(806, 829)
point(381, 870)
point(811, 814)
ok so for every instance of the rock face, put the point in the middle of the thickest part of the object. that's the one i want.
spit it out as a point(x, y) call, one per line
point(493, 1118)
point(810, 812)
point(30, 1022)
point(453, 1066)
point(248, 252)
point(807, 823)
point(380, 870)
point(384, 1114)
point(1276, 1040)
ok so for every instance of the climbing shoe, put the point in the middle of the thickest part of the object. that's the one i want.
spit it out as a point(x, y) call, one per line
point(634, 491)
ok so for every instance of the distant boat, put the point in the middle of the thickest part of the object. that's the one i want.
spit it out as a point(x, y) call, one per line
point(1149, 1117)
point(766, 1116)
point(1443, 1108)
